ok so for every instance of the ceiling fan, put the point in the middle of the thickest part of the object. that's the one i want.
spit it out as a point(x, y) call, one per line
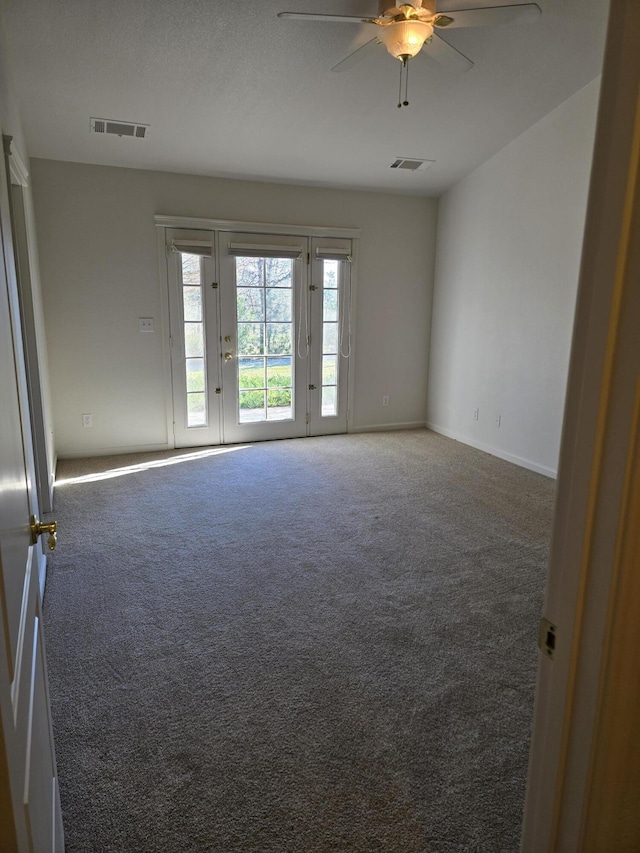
point(405, 29)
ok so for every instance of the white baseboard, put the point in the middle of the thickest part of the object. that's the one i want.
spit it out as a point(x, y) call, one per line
point(112, 451)
point(494, 451)
point(388, 427)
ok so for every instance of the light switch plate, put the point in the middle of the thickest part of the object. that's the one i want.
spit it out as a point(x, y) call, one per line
point(145, 324)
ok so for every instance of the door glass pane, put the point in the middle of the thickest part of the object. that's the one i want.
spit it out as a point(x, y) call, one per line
point(192, 302)
point(278, 305)
point(193, 340)
point(330, 306)
point(250, 303)
point(329, 406)
point(249, 272)
point(251, 373)
point(279, 372)
point(329, 337)
point(250, 338)
point(279, 405)
point(329, 369)
point(279, 338)
point(196, 410)
point(330, 275)
point(191, 271)
point(279, 272)
point(191, 268)
point(264, 297)
point(251, 406)
point(195, 374)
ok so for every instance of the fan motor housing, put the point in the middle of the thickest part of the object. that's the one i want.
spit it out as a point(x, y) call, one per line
point(387, 9)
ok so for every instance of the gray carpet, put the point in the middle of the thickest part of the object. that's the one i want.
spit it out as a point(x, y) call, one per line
point(301, 646)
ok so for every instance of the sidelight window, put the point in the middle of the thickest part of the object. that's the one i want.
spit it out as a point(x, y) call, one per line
point(330, 338)
point(194, 338)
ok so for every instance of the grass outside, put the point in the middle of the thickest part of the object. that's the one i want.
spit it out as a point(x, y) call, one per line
point(252, 384)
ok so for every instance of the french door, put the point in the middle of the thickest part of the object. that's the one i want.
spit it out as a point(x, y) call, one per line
point(260, 335)
point(194, 319)
point(330, 338)
point(264, 360)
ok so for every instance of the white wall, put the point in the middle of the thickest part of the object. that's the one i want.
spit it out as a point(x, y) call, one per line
point(508, 253)
point(9, 117)
point(100, 273)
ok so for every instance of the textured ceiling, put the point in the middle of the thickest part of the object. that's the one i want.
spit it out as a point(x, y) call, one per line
point(231, 90)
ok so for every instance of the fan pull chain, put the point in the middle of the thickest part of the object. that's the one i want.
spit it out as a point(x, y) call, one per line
point(404, 68)
point(405, 103)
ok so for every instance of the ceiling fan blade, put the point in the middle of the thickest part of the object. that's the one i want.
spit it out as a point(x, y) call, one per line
point(438, 49)
point(312, 16)
point(355, 57)
point(492, 16)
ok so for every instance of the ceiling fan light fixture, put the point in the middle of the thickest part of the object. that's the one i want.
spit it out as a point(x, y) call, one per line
point(403, 39)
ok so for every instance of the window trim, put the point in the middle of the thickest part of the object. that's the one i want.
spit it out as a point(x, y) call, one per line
point(196, 223)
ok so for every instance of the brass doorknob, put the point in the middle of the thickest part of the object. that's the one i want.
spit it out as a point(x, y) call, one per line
point(40, 527)
point(228, 356)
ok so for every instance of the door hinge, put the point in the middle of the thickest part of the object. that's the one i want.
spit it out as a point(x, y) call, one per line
point(307, 419)
point(547, 637)
point(308, 340)
point(308, 257)
point(218, 390)
point(312, 287)
point(214, 285)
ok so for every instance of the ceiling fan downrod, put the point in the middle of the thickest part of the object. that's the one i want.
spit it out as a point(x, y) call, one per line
point(404, 69)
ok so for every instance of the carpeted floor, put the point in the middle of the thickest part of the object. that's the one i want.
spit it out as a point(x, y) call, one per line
point(302, 646)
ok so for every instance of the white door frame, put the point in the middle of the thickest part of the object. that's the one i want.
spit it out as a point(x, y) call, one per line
point(32, 324)
point(568, 808)
point(28, 347)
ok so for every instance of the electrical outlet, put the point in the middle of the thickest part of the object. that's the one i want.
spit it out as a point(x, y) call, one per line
point(87, 420)
point(385, 400)
point(145, 324)
point(476, 414)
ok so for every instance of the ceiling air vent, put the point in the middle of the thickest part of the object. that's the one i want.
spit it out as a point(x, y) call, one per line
point(119, 128)
point(412, 164)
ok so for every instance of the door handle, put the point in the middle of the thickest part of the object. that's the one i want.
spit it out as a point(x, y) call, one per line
point(228, 356)
point(40, 527)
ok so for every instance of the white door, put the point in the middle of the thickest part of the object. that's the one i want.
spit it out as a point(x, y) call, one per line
point(265, 351)
point(330, 324)
point(194, 315)
point(30, 818)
